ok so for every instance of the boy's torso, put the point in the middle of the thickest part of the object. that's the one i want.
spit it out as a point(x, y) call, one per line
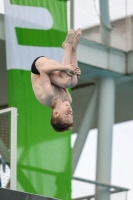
point(57, 91)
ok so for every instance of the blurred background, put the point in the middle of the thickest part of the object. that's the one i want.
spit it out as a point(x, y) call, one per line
point(102, 138)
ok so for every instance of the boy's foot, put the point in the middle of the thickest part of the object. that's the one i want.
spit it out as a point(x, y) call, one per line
point(76, 39)
point(69, 39)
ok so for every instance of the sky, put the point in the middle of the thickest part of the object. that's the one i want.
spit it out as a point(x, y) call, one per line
point(122, 159)
point(86, 12)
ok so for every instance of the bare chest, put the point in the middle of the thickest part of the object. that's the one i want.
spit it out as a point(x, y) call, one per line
point(60, 92)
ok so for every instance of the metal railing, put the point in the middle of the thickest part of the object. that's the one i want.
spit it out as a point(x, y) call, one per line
point(91, 190)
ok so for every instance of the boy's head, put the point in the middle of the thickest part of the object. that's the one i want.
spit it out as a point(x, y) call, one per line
point(62, 118)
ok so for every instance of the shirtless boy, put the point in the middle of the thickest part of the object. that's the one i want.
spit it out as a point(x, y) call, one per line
point(50, 81)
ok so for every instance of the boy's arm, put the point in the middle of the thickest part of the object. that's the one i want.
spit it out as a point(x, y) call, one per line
point(43, 66)
point(66, 80)
point(60, 81)
point(74, 78)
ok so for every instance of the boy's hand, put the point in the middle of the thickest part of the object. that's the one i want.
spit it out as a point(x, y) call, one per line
point(70, 71)
point(77, 71)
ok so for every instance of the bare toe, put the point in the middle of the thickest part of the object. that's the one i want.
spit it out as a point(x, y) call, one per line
point(69, 39)
point(76, 38)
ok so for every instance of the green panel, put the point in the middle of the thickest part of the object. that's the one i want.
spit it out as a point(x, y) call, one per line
point(58, 10)
point(31, 37)
point(44, 156)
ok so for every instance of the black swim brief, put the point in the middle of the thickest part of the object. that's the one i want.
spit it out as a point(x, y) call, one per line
point(33, 66)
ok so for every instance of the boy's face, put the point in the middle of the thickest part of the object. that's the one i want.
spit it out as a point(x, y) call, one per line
point(65, 112)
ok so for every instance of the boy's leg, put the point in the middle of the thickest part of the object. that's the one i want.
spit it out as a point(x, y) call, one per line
point(61, 78)
point(67, 46)
point(70, 46)
point(74, 78)
point(74, 49)
point(70, 57)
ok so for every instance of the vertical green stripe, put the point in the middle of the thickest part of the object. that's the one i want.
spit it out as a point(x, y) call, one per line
point(44, 156)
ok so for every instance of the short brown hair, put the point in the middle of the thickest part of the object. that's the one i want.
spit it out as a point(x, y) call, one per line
point(59, 125)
